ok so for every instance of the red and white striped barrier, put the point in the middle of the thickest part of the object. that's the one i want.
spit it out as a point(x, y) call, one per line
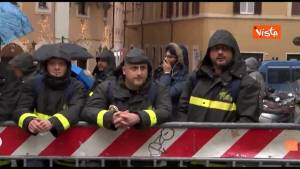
point(159, 142)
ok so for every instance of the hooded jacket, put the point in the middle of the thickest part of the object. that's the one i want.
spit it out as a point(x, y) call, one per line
point(252, 69)
point(101, 76)
point(8, 92)
point(210, 99)
point(58, 99)
point(175, 80)
point(24, 62)
point(151, 113)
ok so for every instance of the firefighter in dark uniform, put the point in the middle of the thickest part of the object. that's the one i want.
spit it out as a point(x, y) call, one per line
point(136, 100)
point(52, 101)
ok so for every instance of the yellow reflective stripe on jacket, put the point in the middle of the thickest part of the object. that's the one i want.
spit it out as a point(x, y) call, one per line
point(212, 104)
point(100, 117)
point(4, 162)
point(63, 120)
point(23, 117)
point(152, 116)
point(42, 116)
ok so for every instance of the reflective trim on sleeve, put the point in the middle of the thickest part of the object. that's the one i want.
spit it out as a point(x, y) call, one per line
point(212, 104)
point(152, 117)
point(4, 162)
point(100, 117)
point(63, 120)
point(23, 117)
point(91, 94)
point(42, 116)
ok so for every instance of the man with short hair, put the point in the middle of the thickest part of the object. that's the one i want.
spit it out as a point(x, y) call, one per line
point(137, 100)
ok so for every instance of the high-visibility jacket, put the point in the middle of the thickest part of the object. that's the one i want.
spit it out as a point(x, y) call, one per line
point(151, 112)
point(60, 106)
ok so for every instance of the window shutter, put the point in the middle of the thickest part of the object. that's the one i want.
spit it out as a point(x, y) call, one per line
point(236, 8)
point(257, 8)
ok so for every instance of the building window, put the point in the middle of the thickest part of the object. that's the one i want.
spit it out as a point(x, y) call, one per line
point(169, 11)
point(185, 8)
point(293, 57)
point(295, 8)
point(195, 9)
point(43, 7)
point(177, 9)
point(83, 10)
point(247, 8)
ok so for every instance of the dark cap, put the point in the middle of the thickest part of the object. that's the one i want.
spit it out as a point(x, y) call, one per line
point(23, 61)
point(136, 56)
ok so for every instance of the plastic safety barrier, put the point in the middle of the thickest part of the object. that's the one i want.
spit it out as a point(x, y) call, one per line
point(233, 142)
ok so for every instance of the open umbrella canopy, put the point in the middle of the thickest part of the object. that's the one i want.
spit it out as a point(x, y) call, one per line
point(75, 51)
point(14, 23)
point(50, 50)
point(66, 50)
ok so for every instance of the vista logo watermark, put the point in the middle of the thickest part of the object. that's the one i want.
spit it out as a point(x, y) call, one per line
point(266, 32)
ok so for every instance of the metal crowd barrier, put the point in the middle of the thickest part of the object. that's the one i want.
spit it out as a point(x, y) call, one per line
point(178, 143)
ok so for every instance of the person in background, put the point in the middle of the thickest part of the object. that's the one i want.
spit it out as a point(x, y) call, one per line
point(252, 69)
point(8, 98)
point(105, 67)
point(24, 66)
point(172, 73)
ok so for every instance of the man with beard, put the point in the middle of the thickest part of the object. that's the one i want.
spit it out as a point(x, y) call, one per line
point(221, 90)
point(105, 67)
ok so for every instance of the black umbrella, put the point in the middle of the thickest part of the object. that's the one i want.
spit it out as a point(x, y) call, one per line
point(75, 51)
point(65, 50)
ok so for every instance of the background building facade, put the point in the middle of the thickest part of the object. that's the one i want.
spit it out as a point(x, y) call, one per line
point(151, 25)
point(88, 24)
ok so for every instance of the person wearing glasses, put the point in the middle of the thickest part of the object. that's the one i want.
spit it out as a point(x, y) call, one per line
point(172, 73)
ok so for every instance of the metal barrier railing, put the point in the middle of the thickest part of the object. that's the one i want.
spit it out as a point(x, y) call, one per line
point(228, 142)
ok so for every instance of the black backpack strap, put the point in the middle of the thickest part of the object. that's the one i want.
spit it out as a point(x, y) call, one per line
point(235, 88)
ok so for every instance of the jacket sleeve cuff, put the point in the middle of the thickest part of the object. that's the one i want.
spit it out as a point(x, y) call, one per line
point(148, 119)
point(57, 126)
point(104, 119)
point(108, 121)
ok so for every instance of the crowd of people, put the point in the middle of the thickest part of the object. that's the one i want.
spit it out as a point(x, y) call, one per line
point(220, 89)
